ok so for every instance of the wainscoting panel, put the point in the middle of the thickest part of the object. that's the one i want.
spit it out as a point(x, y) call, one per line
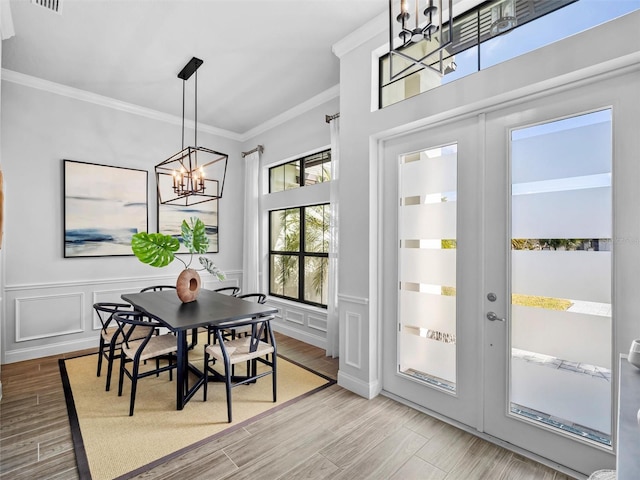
point(294, 316)
point(58, 317)
point(353, 339)
point(48, 316)
point(358, 344)
point(318, 323)
point(305, 323)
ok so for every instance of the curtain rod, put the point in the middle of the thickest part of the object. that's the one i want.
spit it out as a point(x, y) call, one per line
point(259, 148)
point(328, 118)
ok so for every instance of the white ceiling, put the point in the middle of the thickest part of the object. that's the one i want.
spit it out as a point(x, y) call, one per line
point(261, 57)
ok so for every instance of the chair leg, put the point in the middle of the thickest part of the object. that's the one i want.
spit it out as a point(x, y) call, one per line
point(121, 376)
point(273, 374)
point(134, 384)
point(100, 354)
point(206, 374)
point(110, 359)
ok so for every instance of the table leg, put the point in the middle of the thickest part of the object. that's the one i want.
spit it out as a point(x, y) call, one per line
point(182, 365)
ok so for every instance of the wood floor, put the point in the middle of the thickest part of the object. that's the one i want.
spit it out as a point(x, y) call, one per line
point(333, 434)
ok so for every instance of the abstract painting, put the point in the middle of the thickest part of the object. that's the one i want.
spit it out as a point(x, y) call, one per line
point(103, 207)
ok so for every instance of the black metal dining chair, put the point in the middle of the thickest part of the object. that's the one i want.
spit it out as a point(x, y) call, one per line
point(232, 291)
point(254, 348)
point(158, 288)
point(233, 332)
point(136, 351)
point(111, 335)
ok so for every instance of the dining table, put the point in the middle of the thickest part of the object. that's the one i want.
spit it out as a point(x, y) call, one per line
point(210, 309)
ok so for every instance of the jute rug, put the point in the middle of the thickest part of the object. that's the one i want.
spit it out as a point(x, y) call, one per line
point(109, 444)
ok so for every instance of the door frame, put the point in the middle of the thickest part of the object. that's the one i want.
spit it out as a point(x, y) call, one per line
point(626, 237)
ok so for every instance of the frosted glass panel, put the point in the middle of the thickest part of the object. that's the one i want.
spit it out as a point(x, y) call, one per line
point(562, 274)
point(441, 221)
point(584, 213)
point(427, 177)
point(436, 312)
point(561, 220)
point(427, 266)
point(431, 266)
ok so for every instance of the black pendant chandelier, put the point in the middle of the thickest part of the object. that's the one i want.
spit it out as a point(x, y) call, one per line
point(195, 174)
point(417, 36)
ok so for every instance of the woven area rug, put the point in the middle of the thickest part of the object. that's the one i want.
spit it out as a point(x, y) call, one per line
point(109, 444)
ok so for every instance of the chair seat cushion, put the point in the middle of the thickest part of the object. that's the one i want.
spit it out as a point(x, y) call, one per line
point(238, 350)
point(157, 346)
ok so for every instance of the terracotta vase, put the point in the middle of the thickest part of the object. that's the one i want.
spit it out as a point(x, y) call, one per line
point(188, 285)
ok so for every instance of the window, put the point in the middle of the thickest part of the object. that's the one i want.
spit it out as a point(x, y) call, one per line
point(298, 173)
point(474, 48)
point(298, 253)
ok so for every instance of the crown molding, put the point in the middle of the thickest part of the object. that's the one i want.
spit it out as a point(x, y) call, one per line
point(84, 96)
point(294, 112)
point(356, 38)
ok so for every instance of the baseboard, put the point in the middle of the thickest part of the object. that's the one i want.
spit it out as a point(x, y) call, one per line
point(48, 350)
point(357, 386)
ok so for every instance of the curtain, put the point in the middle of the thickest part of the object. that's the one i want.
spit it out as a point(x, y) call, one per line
point(333, 315)
point(250, 251)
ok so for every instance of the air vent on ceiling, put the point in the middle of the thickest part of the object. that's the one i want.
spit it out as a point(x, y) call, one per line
point(53, 5)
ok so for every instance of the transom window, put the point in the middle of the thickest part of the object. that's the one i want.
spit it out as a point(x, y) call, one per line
point(476, 46)
point(309, 170)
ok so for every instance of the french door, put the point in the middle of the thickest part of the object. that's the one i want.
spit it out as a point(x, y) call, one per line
point(497, 255)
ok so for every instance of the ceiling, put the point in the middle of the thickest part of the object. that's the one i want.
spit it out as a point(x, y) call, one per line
point(261, 57)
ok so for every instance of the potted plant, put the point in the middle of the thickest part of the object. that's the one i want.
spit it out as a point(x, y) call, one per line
point(159, 250)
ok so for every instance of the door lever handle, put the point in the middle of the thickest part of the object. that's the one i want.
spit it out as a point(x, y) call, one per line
point(494, 318)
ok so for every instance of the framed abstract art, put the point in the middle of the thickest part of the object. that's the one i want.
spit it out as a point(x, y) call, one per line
point(103, 207)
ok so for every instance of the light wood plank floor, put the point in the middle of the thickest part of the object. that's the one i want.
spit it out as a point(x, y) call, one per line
point(333, 434)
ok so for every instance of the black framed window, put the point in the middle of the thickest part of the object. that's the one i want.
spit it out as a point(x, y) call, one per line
point(299, 254)
point(304, 171)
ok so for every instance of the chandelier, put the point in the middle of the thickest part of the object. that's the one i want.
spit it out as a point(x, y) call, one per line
point(195, 174)
point(417, 36)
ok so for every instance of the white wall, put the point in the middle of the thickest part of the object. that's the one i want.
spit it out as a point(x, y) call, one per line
point(577, 59)
point(307, 132)
point(48, 298)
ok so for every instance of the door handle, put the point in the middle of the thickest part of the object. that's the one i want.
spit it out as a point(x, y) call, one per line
point(494, 318)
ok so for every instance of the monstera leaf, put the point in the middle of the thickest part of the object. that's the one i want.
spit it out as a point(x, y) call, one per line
point(194, 235)
point(158, 250)
point(155, 249)
point(211, 267)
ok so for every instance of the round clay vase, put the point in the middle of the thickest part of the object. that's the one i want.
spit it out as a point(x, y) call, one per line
point(188, 285)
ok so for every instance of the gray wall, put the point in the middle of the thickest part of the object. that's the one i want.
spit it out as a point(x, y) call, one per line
point(48, 298)
point(610, 49)
point(291, 139)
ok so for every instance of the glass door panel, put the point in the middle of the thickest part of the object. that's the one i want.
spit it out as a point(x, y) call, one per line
point(561, 247)
point(427, 266)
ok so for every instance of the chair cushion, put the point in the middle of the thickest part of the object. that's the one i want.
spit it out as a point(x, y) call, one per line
point(238, 350)
point(157, 346)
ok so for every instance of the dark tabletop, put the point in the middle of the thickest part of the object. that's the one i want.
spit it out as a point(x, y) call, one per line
point(211, 308)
